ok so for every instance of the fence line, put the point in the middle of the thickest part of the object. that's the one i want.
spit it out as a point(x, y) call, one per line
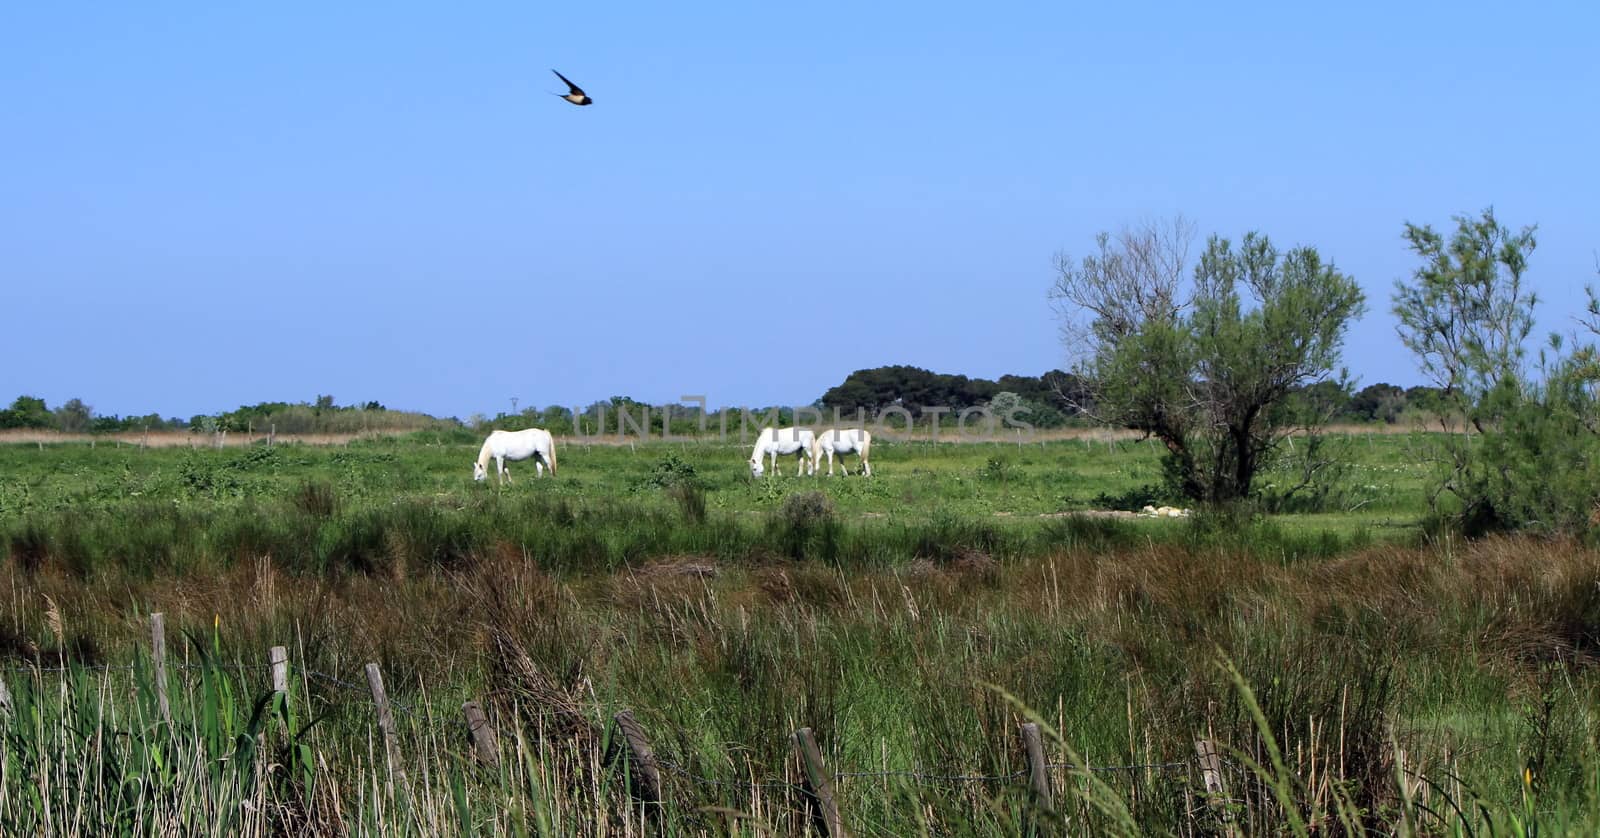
point(812, 788)
point(421, 711)
point(1143, 766)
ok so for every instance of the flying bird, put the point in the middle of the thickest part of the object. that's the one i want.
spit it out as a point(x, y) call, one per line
point(576, 96)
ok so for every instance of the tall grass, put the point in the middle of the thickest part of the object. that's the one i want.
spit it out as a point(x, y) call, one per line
point(1355, 681)
point(1391, 686)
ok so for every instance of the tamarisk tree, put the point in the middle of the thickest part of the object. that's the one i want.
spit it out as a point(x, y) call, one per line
point(1203, 360)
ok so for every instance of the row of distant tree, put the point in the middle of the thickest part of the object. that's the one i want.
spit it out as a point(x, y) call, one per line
point(76, 417)
point(321, 416)
point(1053, 399)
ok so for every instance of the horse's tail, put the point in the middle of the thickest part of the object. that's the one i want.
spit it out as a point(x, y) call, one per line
point(552, 455)
point(866, 446)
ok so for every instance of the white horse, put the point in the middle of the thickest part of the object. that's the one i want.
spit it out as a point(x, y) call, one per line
point(516, 445)
point(773, 442)
point(834, 442)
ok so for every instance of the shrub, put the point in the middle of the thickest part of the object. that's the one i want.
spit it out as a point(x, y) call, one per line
point(669, 471)
point(806, 509)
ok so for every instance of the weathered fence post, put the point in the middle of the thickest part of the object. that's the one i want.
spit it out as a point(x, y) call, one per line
point(643, 771)
point(385, 724)
point(1216, 790)
point(818, 785)
point(279, 658)
point(1038, 771)
point(158, 656)
point(485, 744)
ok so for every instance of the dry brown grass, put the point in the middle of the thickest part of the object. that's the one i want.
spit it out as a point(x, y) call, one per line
point(1512, 599)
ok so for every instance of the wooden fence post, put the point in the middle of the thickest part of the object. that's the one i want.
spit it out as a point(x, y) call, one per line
point(1216, 790)
point(279, 657)
point(485, 743)
point(1038, 771)
point(818, 785)
point(158, 655)
point(642, 768)
point(385, 724)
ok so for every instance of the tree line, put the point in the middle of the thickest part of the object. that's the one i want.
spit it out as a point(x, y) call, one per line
point(319, 416)
point(1050, 400)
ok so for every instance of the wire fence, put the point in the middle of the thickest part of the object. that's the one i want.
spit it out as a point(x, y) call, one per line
point(420, 709)
point(431, 712)
point(810, 785)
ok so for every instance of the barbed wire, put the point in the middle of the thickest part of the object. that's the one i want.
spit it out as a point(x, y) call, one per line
point(28, 669)
point(922, 775)
point(54, 670)
point(426, 713)
point(1144, 766)
point(736, 784)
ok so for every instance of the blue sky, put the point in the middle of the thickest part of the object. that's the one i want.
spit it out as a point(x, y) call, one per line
point(204, 206)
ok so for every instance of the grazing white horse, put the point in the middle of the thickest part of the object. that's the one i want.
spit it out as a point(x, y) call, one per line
point(838, 443)
point(516, 445)
point(773, 442)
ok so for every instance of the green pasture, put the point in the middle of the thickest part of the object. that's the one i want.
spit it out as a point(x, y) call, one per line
point(1381, 489)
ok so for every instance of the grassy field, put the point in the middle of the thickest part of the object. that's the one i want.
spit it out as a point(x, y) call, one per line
point(1377, 682)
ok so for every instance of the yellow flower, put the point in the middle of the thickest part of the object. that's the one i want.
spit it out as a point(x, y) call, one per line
point(1527, 776)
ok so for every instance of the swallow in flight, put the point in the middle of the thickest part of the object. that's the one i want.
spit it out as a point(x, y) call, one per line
point(576, 96)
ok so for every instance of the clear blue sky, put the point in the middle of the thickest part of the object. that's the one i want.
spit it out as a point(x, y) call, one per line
point(204, 206)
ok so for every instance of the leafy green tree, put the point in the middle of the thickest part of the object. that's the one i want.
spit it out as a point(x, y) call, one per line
point(1427, 400)
point(1322, 401)
point(1201, 361)
point(1378, 403)
point(74, 416)
point(1528, 457)
point(873, 389)
point(1466, 312)
point(27, 412)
